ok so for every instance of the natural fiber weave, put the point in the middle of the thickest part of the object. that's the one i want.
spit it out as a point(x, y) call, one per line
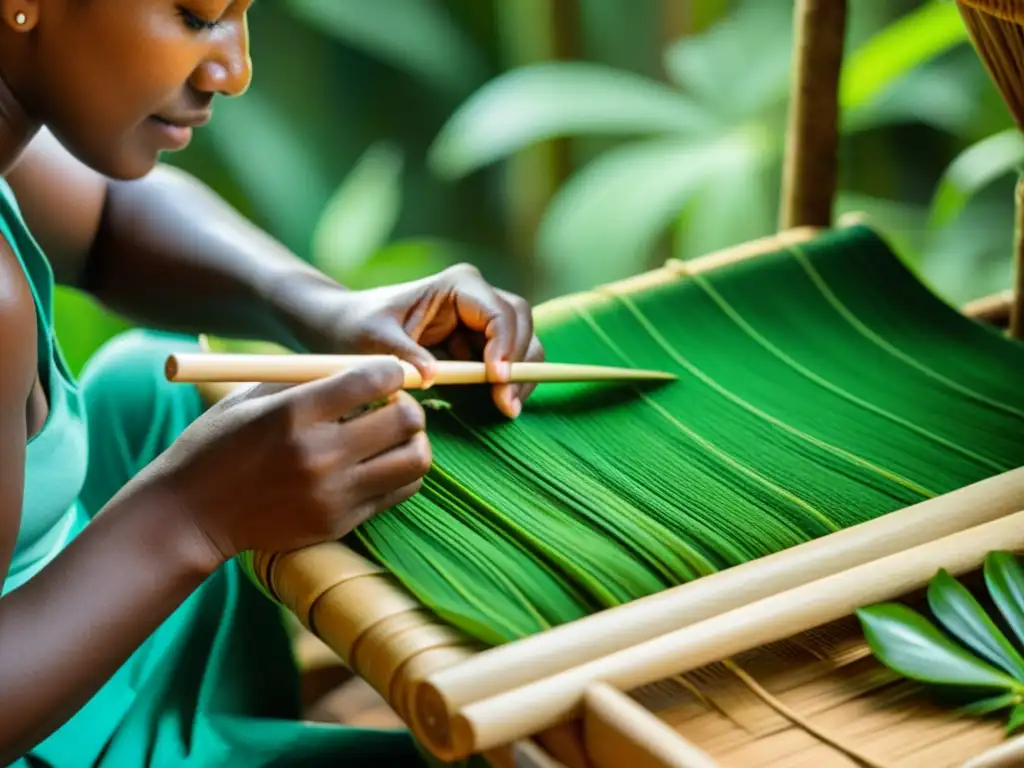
point(1008, 10)
point(818, 700)
point(996, 32)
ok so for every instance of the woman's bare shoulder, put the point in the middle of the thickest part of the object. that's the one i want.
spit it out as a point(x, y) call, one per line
point(17, 334)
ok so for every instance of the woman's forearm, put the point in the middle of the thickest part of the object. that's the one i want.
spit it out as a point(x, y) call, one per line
point(65, 632)
point(172, 254)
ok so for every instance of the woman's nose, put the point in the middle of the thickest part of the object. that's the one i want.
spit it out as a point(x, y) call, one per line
point(228, 68)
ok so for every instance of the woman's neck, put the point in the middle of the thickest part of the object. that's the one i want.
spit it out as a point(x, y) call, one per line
point(16, 128)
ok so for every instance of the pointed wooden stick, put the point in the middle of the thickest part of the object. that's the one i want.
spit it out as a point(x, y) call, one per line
point(295, 369)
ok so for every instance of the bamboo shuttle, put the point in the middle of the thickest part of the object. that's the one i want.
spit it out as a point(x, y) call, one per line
point(558, 698)
point(504, 668)
point(296, 369)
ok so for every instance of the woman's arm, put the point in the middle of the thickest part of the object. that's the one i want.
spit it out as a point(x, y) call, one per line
point(164, 251)
point(218, 490)
point(68, 629)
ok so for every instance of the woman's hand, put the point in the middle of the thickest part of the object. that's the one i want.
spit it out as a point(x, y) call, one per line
point(455, 312)
point(280, 468)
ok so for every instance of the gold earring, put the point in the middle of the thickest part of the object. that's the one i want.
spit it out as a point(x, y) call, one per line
point(20, 18)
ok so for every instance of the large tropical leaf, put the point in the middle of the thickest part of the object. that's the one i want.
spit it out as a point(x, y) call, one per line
point(418, 36)
point(361, 214)
point(715, 67)
point(282, 176)
point(974, 169)
point(604, 221)
point(404, 261)
point(546, 101)
point(926, 32)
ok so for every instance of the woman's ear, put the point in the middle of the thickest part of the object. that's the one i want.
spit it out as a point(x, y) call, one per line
point(19, 15)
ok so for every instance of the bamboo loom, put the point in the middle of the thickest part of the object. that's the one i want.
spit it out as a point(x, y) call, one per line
point(759, 664)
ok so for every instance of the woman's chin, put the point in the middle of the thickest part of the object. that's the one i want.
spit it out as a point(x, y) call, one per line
point(128, 163)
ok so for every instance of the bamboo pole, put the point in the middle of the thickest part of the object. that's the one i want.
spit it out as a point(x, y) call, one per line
point(811, 170)
point(619, 732)
point(672, 271)
point(498, 670)
point(559, 698)
point(993, 309)
point(1009, 754)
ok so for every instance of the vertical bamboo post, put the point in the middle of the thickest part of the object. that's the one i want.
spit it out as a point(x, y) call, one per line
point(1017, 298)
point(811, 170)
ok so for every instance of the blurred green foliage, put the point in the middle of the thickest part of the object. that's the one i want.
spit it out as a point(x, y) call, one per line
point(560, 143)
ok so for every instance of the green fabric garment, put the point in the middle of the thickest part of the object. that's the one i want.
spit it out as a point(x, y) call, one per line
point(216, 684)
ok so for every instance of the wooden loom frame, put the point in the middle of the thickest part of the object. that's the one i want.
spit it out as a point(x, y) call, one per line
point(549, 696)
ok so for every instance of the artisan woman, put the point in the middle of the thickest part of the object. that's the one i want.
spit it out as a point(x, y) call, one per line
point(128, 636)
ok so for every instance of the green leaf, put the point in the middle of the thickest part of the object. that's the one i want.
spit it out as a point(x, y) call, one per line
point(403, 261)
point(418, 36)
point(282, 176)
point(604, 221)
point(740, 204)
point(546, 101)
point(987, 706)
point(917, 37)
point(361, 214)
point(909, 644)
point(1016, 718)
point(715, 66)
point(82, 325)
point(941, 94)
point(1004, 577)
point(962, 615)
point(975, 168)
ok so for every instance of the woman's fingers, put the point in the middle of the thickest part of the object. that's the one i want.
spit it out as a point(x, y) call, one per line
point(397, 468)
point(508, 397)
point(378, 504)
point(382, 429)
point(535, 354)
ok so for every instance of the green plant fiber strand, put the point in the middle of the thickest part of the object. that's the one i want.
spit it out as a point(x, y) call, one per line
point(818, 387)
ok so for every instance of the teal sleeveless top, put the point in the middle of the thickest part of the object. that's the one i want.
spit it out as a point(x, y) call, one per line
point(57, 456)
point(56, 464)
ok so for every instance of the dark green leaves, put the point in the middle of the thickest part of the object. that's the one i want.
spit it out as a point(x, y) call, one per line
point(1005, 579)
point(961, 614)
point(1016, 718)
point(910, 644)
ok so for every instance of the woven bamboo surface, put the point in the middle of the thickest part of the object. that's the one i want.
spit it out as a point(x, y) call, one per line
point(838, 704)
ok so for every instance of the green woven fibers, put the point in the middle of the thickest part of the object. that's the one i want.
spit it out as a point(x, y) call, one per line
point(819, 387)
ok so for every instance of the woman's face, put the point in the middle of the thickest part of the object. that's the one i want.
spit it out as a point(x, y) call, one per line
point(118, 81)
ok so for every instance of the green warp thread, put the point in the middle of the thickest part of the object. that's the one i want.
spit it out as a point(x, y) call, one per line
point(819, 387)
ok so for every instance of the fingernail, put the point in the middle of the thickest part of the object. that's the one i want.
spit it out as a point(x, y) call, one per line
point(517, 408)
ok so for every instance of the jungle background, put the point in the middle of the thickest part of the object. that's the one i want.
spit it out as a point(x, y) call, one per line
point(558, 144)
